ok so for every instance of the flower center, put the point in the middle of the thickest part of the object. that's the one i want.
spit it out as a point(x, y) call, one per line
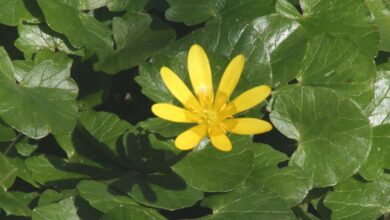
point(210, 117)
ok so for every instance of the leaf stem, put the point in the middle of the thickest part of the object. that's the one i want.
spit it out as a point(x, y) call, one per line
point(12, 144)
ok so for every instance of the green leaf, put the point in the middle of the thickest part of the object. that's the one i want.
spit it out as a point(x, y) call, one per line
point(290, 183)
point(137, 37)
point(82, 30)
point(25, 148)
point(372, 168)
point(350, 19)
point(211, 170)
point(337, 64)
point(160, 190)
point(381, 10)
point(132, 213)
point(333, 134)
point(106, 130)
point(64, 209)
point(193, 12)
point(379, 108)
point(135, 5)
point(43, 90)
point(148, 153)
point(266, 156)
point(54, 171)
point(13, 12)
point(164, 128)
point(50, 196)
point(273, 47)
point(84, 5)
point(7, 173)
point(379, 157)
point(6, 132)
point(249, 200)
point(33, 38)
point(286, 9)
point(118, 5)
point(17, 203)
point(92, 94)
point(23, 173)
point(360, 200)
point(84, 153)
point(103, 197)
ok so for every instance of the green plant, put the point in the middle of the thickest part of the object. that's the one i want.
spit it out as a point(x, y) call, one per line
point(78, 139)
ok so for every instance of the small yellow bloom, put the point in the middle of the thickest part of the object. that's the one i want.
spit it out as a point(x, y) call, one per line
point(212, 113)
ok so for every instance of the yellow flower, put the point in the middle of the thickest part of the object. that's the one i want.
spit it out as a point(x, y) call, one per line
point(212, 113)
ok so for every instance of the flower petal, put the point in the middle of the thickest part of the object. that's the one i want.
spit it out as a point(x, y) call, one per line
point(248, 99)
point(191, 137)
point(229, 81)
point(177, 87)
point(173, 113)
point(219, 140)
point(247, 126)
point(200, 74)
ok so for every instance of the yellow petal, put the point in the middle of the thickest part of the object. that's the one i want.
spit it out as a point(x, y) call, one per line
point(247, 126)
point(200, 74)
point(219, 140)
point(173, 113)
point(248, 99)
point(191, 137)
point(177, 87)
point(229, 81)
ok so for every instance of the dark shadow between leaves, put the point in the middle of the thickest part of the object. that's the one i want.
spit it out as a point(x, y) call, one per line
point(119, 160)
point(192, 212)
point(86, 211)
point(149, 157)
point(167, 180)
point(90, 172)
point(277, 140)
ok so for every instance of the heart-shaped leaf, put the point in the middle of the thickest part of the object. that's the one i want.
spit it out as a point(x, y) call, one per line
point(42, 98)
point(333, 134)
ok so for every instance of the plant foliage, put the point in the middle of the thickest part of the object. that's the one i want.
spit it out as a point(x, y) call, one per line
point(78, 139)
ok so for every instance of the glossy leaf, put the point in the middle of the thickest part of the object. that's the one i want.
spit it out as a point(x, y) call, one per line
point(266, 156)
point(82, 30)
point(132, 213)
point(271, 35)
point(6, 132)
point(137, 37)
point(337, 64)
point(348, 19)
point(8, 172)
point(64, 209)
point(333, 139)
point(291, 183)
point(33, 38)
point(43, 89)
point(194, 12)
point(86, 4)
point(249, 200)
point(356, 199)
point(106, 131)
point(380, 10)
point(13, 12)
point(160, 190)
point(17, 203)
point(52, 170)
point(378, 109)
point(103, 197)
point(210, 170)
